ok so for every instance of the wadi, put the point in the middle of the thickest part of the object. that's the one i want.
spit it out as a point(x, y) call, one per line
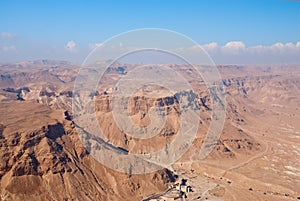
point(44, 158)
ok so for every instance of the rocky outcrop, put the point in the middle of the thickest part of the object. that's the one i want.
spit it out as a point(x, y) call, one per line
point(45, 160)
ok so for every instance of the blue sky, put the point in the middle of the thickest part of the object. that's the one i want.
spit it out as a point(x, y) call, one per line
point(35, 29)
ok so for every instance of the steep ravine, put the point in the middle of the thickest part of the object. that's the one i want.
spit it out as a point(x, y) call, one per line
point(45, 160)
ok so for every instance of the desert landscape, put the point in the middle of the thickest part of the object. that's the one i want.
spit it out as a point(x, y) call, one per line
point(150, 100)
point(256, 158)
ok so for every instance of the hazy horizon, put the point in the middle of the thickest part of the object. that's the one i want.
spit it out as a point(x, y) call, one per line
point(247, 32)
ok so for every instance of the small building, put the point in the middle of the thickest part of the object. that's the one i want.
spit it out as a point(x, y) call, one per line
point(182, 187)
point(186, 189)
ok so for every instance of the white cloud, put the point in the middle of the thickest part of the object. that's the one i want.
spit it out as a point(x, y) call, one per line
point(10, 48)
point(238, 52)
point(258, 49)
point(233, 47)
point(8, 35)
point(71, 46)
point(210, 47)
point(277, 48)
point(94, 45)
point(290, 45)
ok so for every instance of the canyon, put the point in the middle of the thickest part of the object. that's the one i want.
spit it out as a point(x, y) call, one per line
point(43, 158)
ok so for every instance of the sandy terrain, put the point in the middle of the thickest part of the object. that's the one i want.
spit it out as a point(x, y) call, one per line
point(256, 158)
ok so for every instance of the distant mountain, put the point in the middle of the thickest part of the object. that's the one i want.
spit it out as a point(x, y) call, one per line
point(44, 159)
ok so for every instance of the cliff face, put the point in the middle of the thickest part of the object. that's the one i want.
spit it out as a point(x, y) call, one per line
point(57, 94)
point(43, 159)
